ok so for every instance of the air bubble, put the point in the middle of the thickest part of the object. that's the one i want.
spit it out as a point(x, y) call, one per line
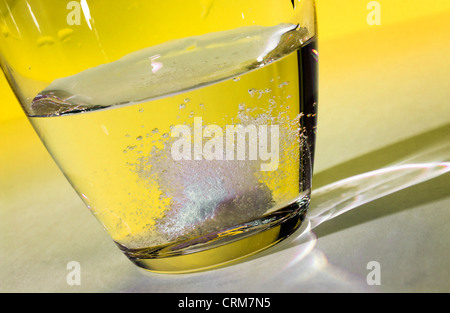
point(4, 30)
point(139, 138)
point(45, 40)
point(182, 106)
point(64, 34)
point(155, 131)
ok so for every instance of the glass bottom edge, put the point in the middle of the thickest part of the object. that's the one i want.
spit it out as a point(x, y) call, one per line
point(197, 255)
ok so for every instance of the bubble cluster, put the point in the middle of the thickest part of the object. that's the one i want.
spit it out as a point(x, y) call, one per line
point(208, 196)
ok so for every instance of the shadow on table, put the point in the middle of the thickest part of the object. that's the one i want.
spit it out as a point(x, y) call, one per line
point(405, 165)
point(296, 265)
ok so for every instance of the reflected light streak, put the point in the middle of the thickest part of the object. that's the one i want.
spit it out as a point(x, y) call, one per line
point(13, 20)
point(305, 243)
point(315, 54)
point(273, 42)
point(86, 12)
point(90, 21)
point(34, 17)
point(342, 196)
point(156, 66)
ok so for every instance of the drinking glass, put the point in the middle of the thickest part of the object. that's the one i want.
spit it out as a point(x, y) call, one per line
point(186, 127)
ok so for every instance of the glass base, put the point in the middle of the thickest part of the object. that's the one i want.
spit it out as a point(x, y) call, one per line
point(223, 247)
